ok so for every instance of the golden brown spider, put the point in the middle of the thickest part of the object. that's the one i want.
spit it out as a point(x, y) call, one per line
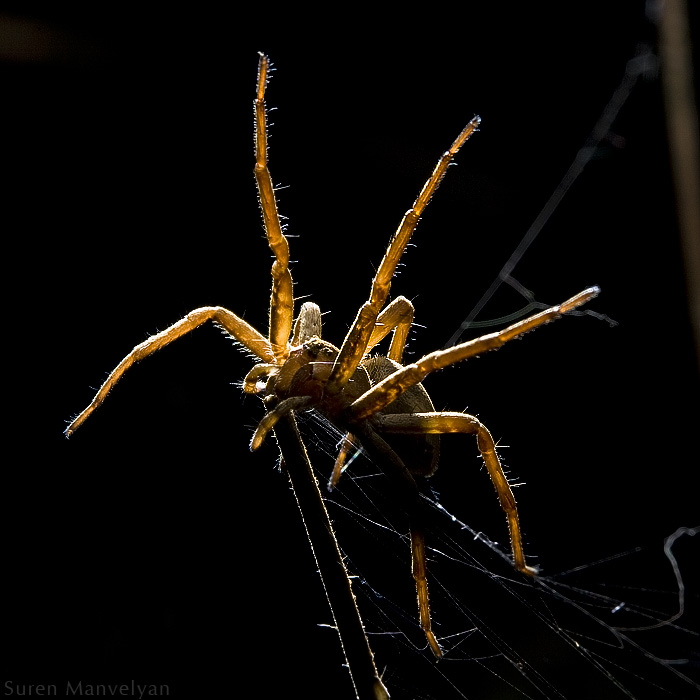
point(372, 397)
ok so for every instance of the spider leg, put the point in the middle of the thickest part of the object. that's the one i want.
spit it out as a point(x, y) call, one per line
point(281, 297)
point(397, 316)
point(270, 419)
point(355, 344)
point(390, 388)
point(420, 571)
point(407, 490)
point(239, 329)
point(422, 423)
point(348, 445)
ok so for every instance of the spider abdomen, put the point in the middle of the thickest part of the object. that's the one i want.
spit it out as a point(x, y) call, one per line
point(420, 453)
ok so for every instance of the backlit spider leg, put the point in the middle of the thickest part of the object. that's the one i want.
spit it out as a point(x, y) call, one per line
point(390, 388)
point(448, 422)
point(282, 296)
point(420, 576)
point(239, 329)
point(355, 344)
point(397, 316)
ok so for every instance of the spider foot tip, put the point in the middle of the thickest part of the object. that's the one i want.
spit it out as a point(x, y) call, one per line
point(433, 643)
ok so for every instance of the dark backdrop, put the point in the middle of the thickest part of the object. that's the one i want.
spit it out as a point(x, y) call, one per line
point(152, 545)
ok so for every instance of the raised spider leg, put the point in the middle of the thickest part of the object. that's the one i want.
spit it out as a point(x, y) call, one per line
point(355, 344)
point(239, 329)
point(272, 351)
point(448, 422)
point(390, 388)
point(282, 295)
point(397, 316)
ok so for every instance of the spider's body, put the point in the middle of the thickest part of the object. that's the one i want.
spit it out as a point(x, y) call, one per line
point(420, 453)
point(306, 372)
point(371, 397)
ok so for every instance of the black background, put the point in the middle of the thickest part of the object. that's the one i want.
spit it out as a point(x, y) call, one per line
point(153, 545)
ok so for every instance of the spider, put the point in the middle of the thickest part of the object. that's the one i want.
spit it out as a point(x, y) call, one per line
point(372, 398)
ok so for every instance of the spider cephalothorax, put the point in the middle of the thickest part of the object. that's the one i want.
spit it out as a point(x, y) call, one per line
point(368, 396)
point(301, 381)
